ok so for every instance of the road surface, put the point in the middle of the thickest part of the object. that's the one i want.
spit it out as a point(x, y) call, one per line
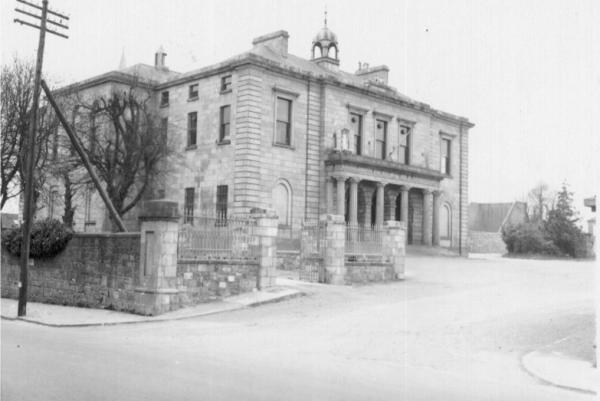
point(454, 330)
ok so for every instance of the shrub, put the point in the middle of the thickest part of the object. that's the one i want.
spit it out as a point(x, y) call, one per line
point(527, 238)
point(561, 229)
point(49, 237)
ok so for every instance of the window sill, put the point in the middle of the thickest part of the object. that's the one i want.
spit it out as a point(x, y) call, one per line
point(192, 99)
point(164, 106)
point(283, 145)
point(225, 91)
point(191, 147)
point(224, 142)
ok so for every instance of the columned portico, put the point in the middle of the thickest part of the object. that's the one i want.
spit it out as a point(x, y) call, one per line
point(371, 202)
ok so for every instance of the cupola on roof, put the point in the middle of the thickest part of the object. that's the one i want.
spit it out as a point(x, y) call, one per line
point(326, 42)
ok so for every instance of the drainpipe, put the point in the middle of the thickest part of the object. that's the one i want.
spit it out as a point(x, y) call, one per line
point(306, 153)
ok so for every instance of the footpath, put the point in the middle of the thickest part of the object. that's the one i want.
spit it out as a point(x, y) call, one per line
point(68, 316)
point(565, 363)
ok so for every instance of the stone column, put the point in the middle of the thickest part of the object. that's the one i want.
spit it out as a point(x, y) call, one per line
point(380, 203)
point(368, 192)
point(335, 236)
point(436, 218)
point(341, 195)
point(329, 194)
point(404, 212)
point(157, 290)
point(390, 204)
point(427, 215)
point(266, 234)
point(394, 246)
point(353, 212)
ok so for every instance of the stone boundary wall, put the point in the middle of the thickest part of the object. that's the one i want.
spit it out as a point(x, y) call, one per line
point(204, 281)
point(97, 270)
point(486, 242)
point(365, 272)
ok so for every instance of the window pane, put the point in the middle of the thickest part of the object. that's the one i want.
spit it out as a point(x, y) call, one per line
point(381, 130)
point(226, 83)
point(282, 133)
point(222, 201)
point(225, 114)
point(379, 149)
point(402, 154)
point(356, 120)
point(192, 123)
point(225, 131)
point(188, 207)
point(283, 110)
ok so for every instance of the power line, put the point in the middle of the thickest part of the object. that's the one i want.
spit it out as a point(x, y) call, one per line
point(30, 138)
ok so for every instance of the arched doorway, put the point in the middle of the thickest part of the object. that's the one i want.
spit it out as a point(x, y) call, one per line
point(282, 203)
point(445, 225)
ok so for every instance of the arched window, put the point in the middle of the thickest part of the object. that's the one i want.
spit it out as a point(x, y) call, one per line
point(282, 202)
point(445, 221)
point(319, 51)
point(333, 51)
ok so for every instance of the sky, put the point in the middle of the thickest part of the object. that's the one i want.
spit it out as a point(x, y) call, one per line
point(527, 73)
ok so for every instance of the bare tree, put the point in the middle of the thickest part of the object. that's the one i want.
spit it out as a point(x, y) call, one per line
point(125, 141)
point(540, 200)
point(16, 101)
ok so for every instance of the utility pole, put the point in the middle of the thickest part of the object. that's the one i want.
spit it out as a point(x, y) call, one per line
point(32, 12)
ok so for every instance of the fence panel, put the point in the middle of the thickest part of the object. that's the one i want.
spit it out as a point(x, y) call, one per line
point(288, 238)
point(364, 243)
point(312, 251)
point(217, 238)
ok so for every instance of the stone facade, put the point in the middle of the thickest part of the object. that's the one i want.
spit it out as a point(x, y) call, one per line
point(339, 148)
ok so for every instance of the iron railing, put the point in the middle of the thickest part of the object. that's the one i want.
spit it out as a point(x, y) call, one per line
point(217, 238)
point(364, 242)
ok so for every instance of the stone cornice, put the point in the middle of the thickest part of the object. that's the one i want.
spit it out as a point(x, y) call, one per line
point(249, 58)
point(109, 77)
point(346, 158)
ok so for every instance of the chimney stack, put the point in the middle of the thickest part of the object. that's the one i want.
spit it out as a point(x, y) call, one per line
point(159, 59)
point(277, 41)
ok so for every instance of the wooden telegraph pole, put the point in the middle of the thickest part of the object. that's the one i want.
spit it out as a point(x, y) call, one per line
point(33, 12)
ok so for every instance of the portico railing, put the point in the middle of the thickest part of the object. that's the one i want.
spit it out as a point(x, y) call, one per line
point(363, 242)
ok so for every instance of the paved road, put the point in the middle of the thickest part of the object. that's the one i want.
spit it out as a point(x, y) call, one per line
point(454, 330)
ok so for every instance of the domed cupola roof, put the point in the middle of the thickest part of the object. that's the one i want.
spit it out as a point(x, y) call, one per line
point(326, 44)
point(325, 35)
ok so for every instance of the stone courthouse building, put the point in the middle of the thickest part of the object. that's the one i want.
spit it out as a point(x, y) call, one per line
point(267, 128)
